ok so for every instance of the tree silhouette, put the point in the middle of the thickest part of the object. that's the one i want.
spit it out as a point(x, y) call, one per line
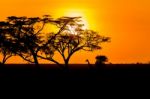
point(100, 60)
point(6, 45)
point(27, 36)
point(23, 36)
point(72, 39)
point(49, 48)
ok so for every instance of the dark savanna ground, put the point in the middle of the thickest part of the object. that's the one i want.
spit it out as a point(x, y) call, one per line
point(77, 72)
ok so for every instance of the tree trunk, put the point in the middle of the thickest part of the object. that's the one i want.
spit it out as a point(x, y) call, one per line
point(3, 62)
point(37, 67)
point(4, 59)
point(67, 62)
point(66, 65)
point(35, 57)
point(35, 60)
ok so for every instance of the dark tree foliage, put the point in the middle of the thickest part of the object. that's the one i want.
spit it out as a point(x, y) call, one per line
point(7, 46)
point(100, 60)
point(71, 39)
point(26, 35)
point(23, 36)
point(49, 47)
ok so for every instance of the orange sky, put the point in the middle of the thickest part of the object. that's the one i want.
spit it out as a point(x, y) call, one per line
point(127, 22)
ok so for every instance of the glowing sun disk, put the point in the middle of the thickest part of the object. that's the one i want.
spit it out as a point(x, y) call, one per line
point(78, 13)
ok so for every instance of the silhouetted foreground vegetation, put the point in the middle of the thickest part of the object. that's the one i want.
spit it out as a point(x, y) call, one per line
point(78, 72)
point(25, 37)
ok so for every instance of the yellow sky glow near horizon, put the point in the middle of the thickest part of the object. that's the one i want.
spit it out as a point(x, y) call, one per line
point(127, 22)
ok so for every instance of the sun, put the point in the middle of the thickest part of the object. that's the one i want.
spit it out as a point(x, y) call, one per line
point(87, 14)
point(78, 13)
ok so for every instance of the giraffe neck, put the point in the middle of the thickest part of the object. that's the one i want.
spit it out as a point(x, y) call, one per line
point(88, 62)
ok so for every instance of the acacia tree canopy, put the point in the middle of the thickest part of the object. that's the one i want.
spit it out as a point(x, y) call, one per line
point(7, 47)
point(70, 40)
point(22, 36)
point(25, 33)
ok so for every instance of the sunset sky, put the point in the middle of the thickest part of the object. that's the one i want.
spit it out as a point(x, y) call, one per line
point(127, 22)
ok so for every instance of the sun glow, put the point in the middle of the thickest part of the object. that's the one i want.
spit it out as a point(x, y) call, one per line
point(78, 13)
point(72, 30)
point(83, 13)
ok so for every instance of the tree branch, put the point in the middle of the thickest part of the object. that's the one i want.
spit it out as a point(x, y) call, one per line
point(40, 29)
point(52, 60)
point(25, 58)
point(6, 58)
point(61, 29)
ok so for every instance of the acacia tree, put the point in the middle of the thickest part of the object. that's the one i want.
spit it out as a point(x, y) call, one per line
point(27, 36)
point(72, 39)
point(23, 36)
point(7, 47)
point(48, 48)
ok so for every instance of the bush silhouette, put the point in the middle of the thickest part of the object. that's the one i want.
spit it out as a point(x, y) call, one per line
point(100, 61)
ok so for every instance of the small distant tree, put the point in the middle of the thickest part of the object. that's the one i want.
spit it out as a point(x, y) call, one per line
point(100, 60)
point(72, 39)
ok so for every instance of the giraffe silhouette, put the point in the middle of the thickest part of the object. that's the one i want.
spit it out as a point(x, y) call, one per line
point(89, 64)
